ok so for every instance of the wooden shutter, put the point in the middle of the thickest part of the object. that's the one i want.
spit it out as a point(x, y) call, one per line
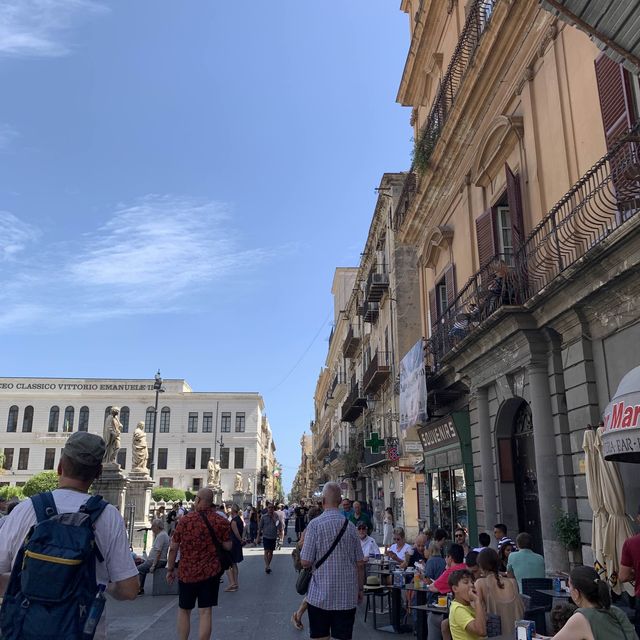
point(433, 309)
point(486, 237)
point(450, 282)
point(514, 197)
point(615, 97)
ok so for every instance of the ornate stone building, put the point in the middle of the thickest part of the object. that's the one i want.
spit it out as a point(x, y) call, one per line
point(304, 486)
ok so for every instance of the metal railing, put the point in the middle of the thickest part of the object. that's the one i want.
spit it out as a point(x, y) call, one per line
point(601, 201)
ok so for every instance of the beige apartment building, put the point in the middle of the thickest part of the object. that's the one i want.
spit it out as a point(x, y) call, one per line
point(304, 486)
point(521, 202)
point(356, 432)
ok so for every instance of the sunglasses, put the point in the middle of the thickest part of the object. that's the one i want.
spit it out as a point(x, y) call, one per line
point(365, 528)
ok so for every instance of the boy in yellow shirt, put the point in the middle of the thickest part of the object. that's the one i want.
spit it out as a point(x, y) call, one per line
point(467, 617)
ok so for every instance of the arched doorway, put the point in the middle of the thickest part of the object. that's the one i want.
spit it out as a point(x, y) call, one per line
point(518, 473)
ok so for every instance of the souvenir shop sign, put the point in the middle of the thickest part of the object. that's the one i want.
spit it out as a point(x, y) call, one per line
point(438, 434)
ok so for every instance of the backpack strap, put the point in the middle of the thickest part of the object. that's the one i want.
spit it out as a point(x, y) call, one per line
point(94, 507)
point(44, 505)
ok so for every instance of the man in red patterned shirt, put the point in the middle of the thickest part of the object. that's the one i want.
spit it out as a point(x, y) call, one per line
point(199, 570)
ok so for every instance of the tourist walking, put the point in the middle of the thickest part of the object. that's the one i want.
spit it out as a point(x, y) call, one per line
point(300, 519)
point(336, 587)
point(387, 528)
point(253, 526)
point(158, 555)
point(80, 464)
point(197, 537)
point(269, 532)
point(237, 529)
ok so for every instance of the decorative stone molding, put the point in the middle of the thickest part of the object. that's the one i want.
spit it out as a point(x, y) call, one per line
point(496, 144)
point(438, 239)
point(527, 76)
point(414, 116)
point(550, 35)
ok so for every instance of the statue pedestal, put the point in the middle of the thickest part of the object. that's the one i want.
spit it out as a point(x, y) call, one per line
point(238, 498)
point(217, 493)
point(139, 495)
point(112, 486)
point(248, 499)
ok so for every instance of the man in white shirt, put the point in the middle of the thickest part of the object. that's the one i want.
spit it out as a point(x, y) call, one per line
point(281, 516)
point(157, 555)
point(80, 464)
point(399, 549)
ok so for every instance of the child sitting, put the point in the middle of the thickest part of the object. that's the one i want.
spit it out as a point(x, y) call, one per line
point(467, 618)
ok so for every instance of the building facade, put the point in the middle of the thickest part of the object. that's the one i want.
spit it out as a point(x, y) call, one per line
point(303, 486)
point(522, 201)
point(191, 427)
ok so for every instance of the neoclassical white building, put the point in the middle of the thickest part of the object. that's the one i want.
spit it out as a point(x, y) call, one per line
point(38, 414)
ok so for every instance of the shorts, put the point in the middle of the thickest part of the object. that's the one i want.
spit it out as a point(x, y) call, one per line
point(205, 592)
point(269, 544)
point(336, 623)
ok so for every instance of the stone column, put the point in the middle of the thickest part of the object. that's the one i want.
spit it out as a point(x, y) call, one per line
point(112, 486)
point(238, 498)
point(546, 464)
point(139, 494)
point(489, 497)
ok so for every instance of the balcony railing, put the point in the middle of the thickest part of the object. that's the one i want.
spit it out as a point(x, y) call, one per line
point(377, 372)
point(370, 311)
point(354, 405)
point(377, 284)
point(601, 201)
point(351, 342)
point(475, 25)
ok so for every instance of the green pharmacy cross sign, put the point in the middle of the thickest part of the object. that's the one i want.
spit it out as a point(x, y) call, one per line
point(374, 443)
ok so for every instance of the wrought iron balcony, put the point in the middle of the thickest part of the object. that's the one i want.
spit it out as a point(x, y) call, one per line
point(377, 372)
point(370, 311)
point(377, 284)
point(603, 200)
point(354, 405)
point(338, 379)
point(351, 342)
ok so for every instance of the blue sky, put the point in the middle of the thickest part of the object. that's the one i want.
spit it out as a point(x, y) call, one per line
point(179, 180)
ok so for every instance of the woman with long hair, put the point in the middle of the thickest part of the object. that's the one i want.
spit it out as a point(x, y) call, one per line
point(504, 550)
point(253, 526)
point(499, 595)
point(387, 528)
point(237, 529)
point(596, 618)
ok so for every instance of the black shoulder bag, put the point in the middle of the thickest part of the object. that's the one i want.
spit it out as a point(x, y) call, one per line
point(304, 577)
point(224, 556)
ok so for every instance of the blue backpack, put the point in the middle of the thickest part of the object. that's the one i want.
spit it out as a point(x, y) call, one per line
point(53, 580)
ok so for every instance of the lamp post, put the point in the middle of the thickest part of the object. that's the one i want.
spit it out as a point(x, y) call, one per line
point(157, 386)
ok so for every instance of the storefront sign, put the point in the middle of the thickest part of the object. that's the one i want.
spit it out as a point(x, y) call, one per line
point(621, 434)
point(413, 388)
point(438, 434)
point(412, 446)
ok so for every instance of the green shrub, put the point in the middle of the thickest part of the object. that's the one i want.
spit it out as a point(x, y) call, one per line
point(167, 494)
point(189, 495)
point(43, 481)
point(567, 528)
point(6, 493)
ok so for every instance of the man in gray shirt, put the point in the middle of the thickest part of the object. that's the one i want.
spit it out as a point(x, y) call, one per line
point(158, 554)
point(269, 531)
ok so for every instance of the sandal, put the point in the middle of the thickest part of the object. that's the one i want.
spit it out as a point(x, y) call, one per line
point(231, 588)
point(296, 622)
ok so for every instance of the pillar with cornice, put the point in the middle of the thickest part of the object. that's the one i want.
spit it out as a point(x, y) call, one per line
point(486, 460)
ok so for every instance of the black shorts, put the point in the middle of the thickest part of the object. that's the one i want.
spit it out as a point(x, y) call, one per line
point(205, 592)
point(269, 544)
point(324, 623)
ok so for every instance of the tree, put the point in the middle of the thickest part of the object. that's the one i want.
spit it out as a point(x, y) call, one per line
point(8, 492)
point(167, 494)
point(43, 481)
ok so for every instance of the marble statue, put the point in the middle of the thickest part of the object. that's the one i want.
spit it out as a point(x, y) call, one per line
point(111, 435)
point(213, 473)
point(248, 485)
point(140, 449)
point(237, 487)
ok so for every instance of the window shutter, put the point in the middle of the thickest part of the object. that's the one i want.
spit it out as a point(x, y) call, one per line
point(615, 97)
point(433, 309)
point(514, 196)
point(450, 282)
point(485, 235)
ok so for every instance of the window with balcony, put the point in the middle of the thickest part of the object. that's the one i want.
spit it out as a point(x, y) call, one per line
point(67, 421)
point(225, 422)
point(442, 295)
point(12, 419)
point(49, 459)
point(83, 419)
point(27, 420)
point(54, 419)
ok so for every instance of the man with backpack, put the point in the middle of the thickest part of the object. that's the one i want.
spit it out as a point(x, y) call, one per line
point(74, 542)
point(202, 536)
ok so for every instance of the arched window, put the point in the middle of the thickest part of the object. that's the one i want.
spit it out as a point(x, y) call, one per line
point(148, 420)
point(124, 419)
point(27, 419)
point(165, 419)
point(107, 413)
point(12, 420)
point(67, 423)
point(54, 419)
point(83, 419)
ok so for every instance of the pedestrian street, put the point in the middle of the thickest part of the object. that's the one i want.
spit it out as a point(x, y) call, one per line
point(260, 610)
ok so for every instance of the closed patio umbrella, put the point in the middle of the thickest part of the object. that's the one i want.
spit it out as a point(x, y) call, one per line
point(596, 501)
point(618, 527)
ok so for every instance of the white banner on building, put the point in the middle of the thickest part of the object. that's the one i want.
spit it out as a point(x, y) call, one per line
point(413, 388)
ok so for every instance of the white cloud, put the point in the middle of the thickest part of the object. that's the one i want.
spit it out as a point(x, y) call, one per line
point(15, 235)
point(7, 135)
point(30, 28)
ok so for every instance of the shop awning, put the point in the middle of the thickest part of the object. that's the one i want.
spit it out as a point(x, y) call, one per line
point(621, 435)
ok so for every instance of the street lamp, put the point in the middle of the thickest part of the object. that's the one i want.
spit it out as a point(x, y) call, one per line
point(157, 387)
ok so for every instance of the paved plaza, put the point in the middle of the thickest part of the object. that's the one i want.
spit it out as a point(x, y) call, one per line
point(260, 610)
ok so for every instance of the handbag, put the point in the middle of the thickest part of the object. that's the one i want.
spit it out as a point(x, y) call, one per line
point(224, 556)
point(494, 625)
point(304, 577)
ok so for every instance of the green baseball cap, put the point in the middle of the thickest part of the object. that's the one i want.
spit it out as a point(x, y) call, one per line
point(85, 448)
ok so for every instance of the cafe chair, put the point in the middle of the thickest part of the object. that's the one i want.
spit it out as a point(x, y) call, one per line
point(540, 603)
point(372, 590)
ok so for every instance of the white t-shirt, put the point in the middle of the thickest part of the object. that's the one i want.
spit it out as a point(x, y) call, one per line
point(111, 538)
point(369, 547)
point(400, 551)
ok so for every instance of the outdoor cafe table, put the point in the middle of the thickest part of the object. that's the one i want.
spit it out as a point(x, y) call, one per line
point(421, 608)
point(560, 595)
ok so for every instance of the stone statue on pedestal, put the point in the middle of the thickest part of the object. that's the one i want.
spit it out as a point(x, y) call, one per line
point(249, 483)
point(237, 487)
point(213, 473)
point(140, 449)
point(111, 435)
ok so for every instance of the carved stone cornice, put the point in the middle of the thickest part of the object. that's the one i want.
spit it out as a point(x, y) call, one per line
point(494, 148)
point(438, 239)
